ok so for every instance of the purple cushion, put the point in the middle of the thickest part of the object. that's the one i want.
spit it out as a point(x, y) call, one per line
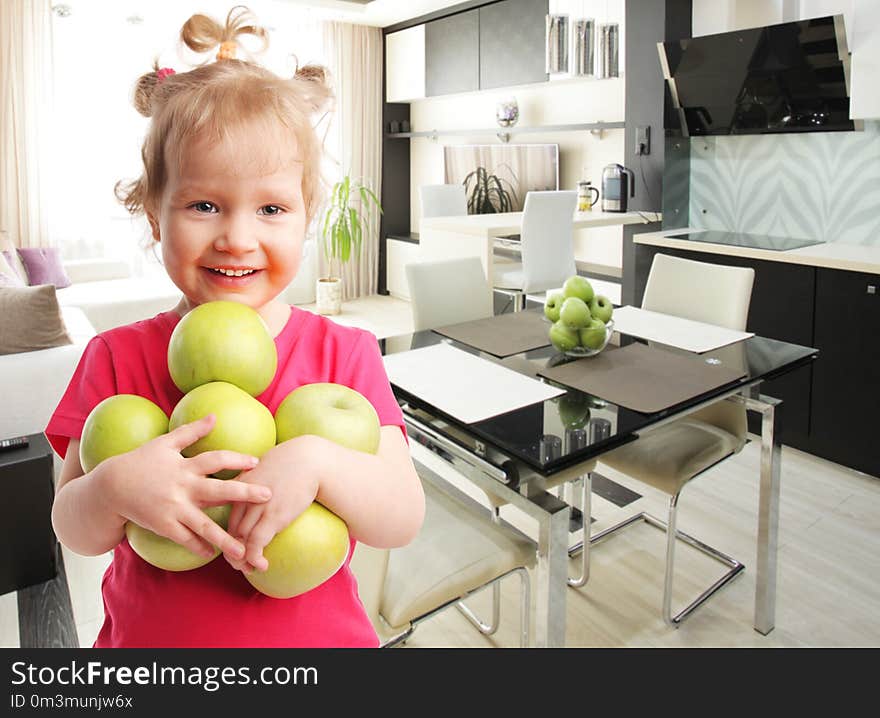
point(9, 276)
point(43, 265)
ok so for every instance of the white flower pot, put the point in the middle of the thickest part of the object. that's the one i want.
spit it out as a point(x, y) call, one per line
point(328, 296)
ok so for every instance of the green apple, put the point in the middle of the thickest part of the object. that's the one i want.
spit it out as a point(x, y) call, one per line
point(552, 305)
point(334, 411)
point(222, 341)
point(593, 336)
point(563, 337)
point(164, 553)
point(304, 554)
point(574, 313)
point(601, 308)
point(574, 411)
point(243, 423)
point(313, 547)
point(117, 425)
point(579, 287)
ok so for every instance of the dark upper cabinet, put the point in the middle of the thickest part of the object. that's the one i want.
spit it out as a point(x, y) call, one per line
point(846, 376)
point(452, 54)
point(512, 47)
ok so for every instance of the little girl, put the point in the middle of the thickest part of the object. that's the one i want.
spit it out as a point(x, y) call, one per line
point(230, 183)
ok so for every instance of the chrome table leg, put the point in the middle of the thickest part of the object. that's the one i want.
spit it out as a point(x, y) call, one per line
point(768, 510)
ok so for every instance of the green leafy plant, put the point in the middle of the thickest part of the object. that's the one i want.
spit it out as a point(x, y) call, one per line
point(346, 220)
point(489, 193)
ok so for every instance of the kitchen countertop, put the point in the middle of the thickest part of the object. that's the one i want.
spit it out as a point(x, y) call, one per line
point(506, 223)
point(831, 255)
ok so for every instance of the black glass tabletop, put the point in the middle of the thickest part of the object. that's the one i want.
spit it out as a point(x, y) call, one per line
point(575, 426)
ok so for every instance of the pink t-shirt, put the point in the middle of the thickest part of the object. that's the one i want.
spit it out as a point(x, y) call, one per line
point(215, 606)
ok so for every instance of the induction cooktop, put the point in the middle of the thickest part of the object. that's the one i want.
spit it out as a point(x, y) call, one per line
point(754, 241)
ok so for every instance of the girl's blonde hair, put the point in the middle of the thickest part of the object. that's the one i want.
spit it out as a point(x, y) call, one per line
point(217, 98)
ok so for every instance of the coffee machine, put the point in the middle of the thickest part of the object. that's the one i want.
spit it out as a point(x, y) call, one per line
point(618, 183)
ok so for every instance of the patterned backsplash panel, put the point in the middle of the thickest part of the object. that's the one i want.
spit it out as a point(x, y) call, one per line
point(818, 185)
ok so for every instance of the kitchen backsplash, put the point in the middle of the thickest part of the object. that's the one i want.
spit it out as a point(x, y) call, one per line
point(823, 185)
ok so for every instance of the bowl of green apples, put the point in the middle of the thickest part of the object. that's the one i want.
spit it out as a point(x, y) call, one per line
point(581, 321)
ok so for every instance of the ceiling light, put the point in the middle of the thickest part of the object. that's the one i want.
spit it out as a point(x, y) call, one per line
point(62, 10)
point(134, 19)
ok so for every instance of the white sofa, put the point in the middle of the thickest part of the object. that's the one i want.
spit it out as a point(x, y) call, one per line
point(110, 297)
point(32, 383)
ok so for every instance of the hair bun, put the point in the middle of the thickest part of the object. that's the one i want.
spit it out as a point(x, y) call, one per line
point(312, 73)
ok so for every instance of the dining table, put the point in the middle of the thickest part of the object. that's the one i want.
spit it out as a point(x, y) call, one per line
point(550, 417)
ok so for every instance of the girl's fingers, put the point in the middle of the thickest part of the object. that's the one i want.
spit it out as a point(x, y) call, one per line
point(191, 541)
point(210, 462)
point(187, 434)
point(214, 492)
point(234, 518)
point(203, 526)
point(248, 520)
point(257, 540)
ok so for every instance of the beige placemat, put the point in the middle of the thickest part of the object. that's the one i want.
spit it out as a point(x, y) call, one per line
point(502, 336)
point(643, 378)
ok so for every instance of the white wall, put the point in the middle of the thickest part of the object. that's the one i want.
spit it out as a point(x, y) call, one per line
point(582, 155)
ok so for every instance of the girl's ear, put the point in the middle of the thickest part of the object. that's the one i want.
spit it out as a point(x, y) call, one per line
point(154, 226)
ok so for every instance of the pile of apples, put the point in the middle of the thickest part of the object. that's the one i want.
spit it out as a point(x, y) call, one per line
point(579, 316)
point(222, 356)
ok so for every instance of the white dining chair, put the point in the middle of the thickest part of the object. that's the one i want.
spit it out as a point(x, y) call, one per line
point(443, 200)
point(671, 456)
point(547, 246)
point(448, 291)
point(457, 553)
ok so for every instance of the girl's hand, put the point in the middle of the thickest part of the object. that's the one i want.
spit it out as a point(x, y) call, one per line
point(161, 490)
point(292, 471)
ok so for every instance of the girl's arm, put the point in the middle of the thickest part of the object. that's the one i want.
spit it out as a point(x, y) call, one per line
point(157, 488)
point(379, 496)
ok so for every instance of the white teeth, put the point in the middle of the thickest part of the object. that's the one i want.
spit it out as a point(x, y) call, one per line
point(234, 272)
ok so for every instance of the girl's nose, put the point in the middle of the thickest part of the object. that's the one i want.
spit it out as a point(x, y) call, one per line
point(238, 236)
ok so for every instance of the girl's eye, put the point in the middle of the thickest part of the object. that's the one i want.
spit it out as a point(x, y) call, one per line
point(271, 210)
point(204, 207)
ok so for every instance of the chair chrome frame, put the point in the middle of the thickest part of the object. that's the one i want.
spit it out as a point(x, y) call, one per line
point(735, 567)
point(525, 605)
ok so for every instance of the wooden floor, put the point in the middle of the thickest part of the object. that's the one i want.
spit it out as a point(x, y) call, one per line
point(828, 592)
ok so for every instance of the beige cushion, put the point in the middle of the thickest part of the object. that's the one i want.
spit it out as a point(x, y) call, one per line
point(457, 550)
point(668, 457)
point(30, 319)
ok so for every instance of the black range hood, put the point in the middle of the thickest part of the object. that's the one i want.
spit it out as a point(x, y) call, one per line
point(790, 77)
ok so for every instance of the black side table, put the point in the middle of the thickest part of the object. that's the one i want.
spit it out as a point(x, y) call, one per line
point(27, 541)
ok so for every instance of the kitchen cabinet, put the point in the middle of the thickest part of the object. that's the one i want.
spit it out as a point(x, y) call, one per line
point(865, 39)
point(846, 377)
point(512, 44)
point(452, 54)
point(405, 64)
point(400, 252)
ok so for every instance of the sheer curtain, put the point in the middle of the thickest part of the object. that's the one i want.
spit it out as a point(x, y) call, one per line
point(354, 55)
point(25, 107)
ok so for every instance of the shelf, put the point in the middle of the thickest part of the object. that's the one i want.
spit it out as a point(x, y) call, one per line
point(504, 133)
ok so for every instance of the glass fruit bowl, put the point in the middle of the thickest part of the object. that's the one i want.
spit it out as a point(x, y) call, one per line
point(589, 351)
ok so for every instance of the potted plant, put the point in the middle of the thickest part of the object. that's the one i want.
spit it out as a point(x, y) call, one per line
point(487, 193)
point(342, 232)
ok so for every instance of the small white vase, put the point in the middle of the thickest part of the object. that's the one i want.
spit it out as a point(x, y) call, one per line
point(328, 295)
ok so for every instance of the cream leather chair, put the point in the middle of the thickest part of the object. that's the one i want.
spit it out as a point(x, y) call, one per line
point(457, 553)
point(443, 200)
point(547, 246)
point(448, 292)
point(674, 454)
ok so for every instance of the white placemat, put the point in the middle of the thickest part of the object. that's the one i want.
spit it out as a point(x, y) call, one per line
point(674, 331)
point(464, 385)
